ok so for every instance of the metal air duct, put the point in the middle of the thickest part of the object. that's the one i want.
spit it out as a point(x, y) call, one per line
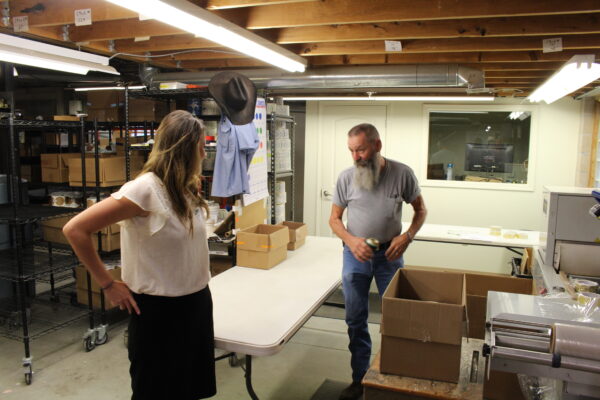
point(352, 77)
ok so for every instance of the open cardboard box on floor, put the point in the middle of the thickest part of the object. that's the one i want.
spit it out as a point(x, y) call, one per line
point(422, 324)
point(298, 232)
point(52, 232)
point(81, 285)
point(262, 246)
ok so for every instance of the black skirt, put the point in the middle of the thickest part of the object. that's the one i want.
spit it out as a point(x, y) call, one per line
point(171, 347)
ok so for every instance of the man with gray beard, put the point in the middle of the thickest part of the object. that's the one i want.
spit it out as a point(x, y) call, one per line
point(373, 191)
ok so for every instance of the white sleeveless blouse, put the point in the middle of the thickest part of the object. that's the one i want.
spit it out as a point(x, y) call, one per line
point(159, 256)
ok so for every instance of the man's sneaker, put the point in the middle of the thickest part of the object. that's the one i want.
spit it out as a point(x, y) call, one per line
point(352, 392)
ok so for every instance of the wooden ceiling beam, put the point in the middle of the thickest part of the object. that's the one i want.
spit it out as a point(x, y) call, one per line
point(61, 12)
point(332, 12)
point(532, 66)
point(164, 43)
point(122, 29)
point(488, 27)
point(511, 81)
point(205, 54)
point(517, 74)
point(532, 43)
point(229, 63)
point(224, 4)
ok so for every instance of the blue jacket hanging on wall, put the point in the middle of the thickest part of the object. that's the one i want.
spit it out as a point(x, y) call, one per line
point(236, 145)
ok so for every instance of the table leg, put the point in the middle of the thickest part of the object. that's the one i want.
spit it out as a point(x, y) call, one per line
point(248, 375)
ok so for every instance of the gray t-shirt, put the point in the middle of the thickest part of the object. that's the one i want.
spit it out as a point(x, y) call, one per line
point(377, 213)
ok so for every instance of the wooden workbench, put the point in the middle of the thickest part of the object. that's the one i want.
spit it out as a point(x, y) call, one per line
point(378, 386)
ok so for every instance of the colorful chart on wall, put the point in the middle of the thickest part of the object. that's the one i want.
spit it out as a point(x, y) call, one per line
point(257, 171)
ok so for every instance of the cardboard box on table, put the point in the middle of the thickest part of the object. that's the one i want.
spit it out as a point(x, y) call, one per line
point(55, 166)
point(422, 324)
point(298, 232)
point(82, 291)
point(262, 246)
point(52, 232)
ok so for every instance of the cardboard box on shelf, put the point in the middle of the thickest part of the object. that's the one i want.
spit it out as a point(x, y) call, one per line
point(52, 232)
point(112, 170)
point(82, 291)
point(142, 109)
point(66, 118)
point(298, 232)
point(104, 114)
point(55, 166)
point(60, 139)
point(120, 143)
point(262, 246)
point(422, 324)
point(105, 98)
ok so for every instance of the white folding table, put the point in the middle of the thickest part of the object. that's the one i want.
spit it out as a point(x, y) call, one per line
point(476, 236)
point(256, 312)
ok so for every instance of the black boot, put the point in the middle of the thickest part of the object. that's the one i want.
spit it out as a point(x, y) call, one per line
point(352, 392)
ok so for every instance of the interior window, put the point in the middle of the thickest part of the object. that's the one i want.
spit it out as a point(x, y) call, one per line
point(479, 146)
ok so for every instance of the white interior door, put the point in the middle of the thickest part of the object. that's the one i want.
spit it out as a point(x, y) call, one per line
point(335, 122)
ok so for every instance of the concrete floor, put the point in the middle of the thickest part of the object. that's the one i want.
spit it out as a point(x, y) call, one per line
point(316, 356)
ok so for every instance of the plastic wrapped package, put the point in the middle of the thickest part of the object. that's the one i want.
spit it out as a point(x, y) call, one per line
point(585, 308)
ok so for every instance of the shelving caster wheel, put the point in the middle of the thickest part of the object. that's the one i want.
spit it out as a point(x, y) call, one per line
point(89, 340)
point(101, 335)
point(234, 360)
point(28, 370)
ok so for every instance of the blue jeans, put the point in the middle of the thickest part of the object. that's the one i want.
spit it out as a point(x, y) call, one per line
point(356, 280)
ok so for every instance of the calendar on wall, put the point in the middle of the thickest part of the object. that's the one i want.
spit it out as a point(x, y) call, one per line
point(257, 170)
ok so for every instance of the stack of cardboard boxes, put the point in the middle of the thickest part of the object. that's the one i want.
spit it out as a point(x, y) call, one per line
point(260, 245)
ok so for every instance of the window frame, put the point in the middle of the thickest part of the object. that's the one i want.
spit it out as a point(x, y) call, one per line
point(533, 140)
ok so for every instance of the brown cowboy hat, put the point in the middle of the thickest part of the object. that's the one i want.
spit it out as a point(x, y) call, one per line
point(236, 95)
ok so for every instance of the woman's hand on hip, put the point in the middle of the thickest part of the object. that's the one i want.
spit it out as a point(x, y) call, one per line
point(119, 294)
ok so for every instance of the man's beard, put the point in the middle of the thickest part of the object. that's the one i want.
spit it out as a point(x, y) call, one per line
point(366, 172)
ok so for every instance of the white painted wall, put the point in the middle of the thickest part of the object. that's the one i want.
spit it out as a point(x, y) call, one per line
point(556, 145)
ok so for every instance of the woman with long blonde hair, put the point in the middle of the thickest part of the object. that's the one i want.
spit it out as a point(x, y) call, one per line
point(165, 265)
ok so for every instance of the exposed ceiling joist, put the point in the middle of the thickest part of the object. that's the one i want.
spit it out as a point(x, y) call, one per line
point(62, 12)
point(331, 12)
point(491, 27)
point(223, 4)
point(450, 45)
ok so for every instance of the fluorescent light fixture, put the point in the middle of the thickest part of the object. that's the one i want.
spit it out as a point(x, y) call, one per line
point(91, 89)
point(390, 98)
point(183, 14)
point(576, 73)
point(515, 114)
point(28, 52)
